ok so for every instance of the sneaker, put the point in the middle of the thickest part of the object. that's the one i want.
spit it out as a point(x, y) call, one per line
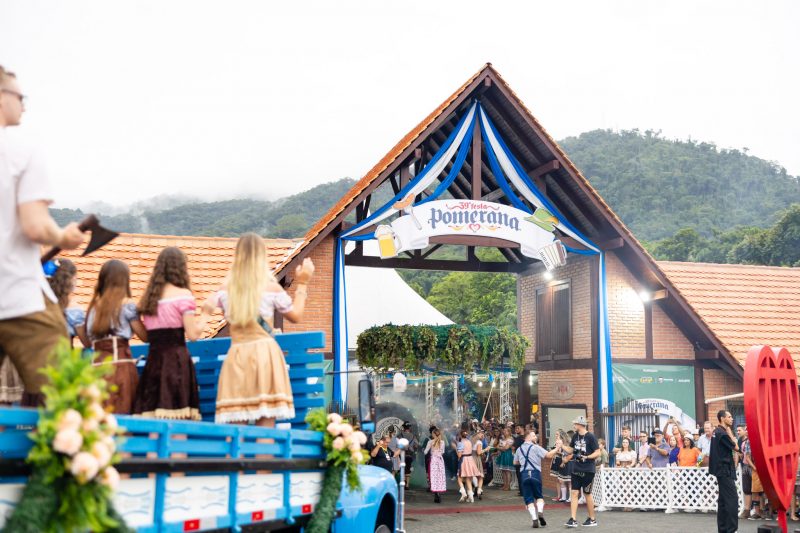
point(589, 522)
point(541, 520)
point(571, 523)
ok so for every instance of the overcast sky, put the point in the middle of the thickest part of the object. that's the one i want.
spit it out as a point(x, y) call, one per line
point(235, 99)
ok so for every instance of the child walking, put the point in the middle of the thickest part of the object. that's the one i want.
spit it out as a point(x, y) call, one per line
point(254, 381)
point(168, 386)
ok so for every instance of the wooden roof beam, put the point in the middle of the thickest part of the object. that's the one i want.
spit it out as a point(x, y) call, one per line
point(541, 170)
point(432, 264)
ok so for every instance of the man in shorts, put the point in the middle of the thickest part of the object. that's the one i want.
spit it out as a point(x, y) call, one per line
point(583, 449)
point(31, 322)
point(529, 459)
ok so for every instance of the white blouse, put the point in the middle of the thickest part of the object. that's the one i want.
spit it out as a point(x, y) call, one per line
point(270, 301)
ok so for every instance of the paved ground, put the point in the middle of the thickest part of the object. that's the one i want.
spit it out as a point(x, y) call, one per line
point(502, 511)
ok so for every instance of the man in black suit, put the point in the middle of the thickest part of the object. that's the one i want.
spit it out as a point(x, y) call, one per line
point(723, 446)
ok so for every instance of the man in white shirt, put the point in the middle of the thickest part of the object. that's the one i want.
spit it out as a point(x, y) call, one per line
point(31, 322)
point(704, 442)
point(643, 451)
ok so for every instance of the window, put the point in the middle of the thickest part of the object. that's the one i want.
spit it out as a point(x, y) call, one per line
point(553, 323)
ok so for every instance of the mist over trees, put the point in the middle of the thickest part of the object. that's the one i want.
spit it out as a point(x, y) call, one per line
point(684, 200)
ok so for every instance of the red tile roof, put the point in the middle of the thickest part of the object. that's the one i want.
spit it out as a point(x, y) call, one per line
point(744, 305)
point(209, 259)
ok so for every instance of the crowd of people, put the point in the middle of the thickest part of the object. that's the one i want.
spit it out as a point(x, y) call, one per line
point(468, 454)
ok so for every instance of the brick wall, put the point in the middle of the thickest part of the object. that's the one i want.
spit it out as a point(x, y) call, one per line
point(583, 386)
point(668, 341)
point(576, 271)
point(318, 314)
point(625, 310)
point(717, 383)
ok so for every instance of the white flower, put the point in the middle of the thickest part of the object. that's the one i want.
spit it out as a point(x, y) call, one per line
point(110, 477)
point(96, 411)
point(109, 442)
point(354, 447)
point(70, 419)
point(334, 429)
point(338, 443)
point(90, 424)
point(92, 392)
point(335, 418)
point(68, 441)
point(357, 457)
point(102, 453)
point(346, 430)
point(360, 437)
point(111, 423)
point(84, 467)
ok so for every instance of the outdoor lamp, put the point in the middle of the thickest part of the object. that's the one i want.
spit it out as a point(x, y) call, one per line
point(645, 296)
point(548, 275)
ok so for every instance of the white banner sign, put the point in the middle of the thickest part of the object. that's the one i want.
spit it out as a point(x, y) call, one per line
point(534, 233)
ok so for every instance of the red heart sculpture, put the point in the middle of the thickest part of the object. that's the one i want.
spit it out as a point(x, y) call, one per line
point(772, 408)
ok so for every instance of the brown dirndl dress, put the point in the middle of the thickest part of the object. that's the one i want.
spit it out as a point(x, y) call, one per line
point(254, 379)
point(11, 387)
point(168, 385)
point(123, 382)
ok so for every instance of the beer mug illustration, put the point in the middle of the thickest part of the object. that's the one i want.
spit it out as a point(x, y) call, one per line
point(386, 244)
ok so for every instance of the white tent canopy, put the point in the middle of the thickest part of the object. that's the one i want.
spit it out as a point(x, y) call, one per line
point(378, 296)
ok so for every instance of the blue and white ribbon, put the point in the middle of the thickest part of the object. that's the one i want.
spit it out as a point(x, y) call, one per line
point(503, 165)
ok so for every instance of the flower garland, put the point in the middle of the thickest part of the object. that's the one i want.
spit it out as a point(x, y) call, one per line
point(453, 348)
point(343, 445)
point(73, 478)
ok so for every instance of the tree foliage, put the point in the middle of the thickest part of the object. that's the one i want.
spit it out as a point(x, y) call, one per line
point(778, 245)
point(659, 186)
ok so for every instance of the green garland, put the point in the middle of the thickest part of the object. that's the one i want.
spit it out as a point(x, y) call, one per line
point(344, 455)
point(72, 480)
point(453, 348)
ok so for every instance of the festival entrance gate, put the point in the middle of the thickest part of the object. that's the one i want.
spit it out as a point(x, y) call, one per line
point(447, 202)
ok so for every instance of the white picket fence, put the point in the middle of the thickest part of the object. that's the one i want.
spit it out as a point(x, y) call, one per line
point(497, 477)
point(672, 489)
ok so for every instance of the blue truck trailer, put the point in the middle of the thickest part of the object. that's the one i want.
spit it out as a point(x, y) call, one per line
point(202, 476)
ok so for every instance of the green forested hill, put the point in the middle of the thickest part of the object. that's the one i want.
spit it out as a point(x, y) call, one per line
point(686, 201)
point(286, 218)
point(658, 186)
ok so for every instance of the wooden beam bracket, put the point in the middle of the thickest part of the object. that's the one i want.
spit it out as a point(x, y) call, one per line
point(706, 355)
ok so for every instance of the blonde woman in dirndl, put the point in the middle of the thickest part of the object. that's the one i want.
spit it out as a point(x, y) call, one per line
point(254, 381)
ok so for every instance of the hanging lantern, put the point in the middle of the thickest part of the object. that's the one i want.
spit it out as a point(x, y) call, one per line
point(400, 382)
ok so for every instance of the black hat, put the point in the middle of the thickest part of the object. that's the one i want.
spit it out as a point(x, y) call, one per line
point(406, 425)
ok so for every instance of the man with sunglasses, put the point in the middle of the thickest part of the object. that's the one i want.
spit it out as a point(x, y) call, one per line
point(31, 322)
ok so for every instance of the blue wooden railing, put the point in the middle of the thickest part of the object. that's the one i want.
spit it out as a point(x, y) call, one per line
point(163, 439)
point(208, 356)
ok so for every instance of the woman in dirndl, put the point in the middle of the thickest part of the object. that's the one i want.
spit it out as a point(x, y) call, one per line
point(505, 461)
point(168, 386)
point(562, 470)
point(435, 448)
point(478, 452)
point(254, 381)
point(111, 321)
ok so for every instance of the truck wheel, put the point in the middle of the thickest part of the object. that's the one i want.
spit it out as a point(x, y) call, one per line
point(382, 528)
